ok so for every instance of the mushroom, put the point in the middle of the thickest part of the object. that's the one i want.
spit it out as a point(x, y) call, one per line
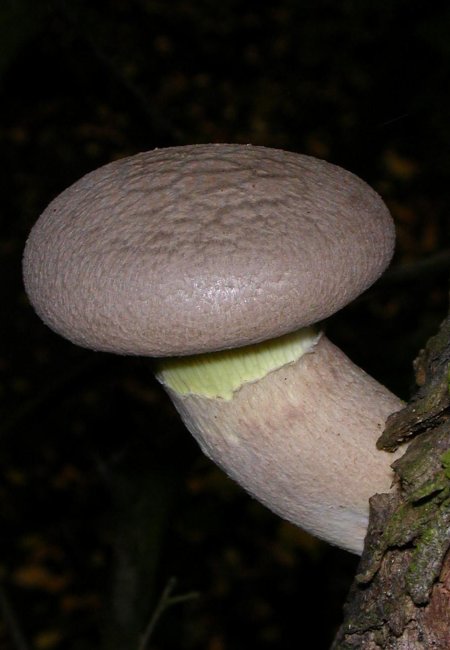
point(218, 259)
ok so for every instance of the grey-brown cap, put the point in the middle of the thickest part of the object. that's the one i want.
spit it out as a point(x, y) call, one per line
point(191, 249)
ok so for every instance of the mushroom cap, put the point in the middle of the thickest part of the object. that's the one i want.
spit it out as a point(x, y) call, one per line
point(198, 248)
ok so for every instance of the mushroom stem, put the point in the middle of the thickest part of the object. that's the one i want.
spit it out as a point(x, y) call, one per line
point(301, 440)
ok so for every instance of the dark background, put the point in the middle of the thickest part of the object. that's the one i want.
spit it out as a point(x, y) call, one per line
point(103, 495)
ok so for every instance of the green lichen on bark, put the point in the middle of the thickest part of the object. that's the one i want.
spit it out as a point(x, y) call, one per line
point(419, 523)
point(393, 601)
point(432, 368)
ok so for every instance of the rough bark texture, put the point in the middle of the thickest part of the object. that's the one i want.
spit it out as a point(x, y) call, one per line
point(400, 599)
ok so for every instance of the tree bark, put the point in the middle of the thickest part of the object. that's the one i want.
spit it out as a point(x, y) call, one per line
point(400, 599)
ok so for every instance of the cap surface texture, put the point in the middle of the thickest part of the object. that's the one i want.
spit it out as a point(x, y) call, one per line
point(198, 248)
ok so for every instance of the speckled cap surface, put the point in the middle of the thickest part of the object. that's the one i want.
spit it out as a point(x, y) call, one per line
point(205, 247)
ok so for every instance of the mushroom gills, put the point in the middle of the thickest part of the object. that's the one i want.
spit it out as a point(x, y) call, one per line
point(218, 375)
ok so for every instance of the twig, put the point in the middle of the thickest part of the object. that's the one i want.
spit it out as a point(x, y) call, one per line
point(11, 622)
point(166, 600)
point(161, 124)
point(428, 266)
point(423, 269)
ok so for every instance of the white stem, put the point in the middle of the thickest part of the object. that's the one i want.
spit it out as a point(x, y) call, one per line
point(302, 441)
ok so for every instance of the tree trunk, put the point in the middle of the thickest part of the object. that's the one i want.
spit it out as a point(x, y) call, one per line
point(400, 598)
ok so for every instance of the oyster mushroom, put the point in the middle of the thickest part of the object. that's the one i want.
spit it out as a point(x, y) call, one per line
point(218, 260)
